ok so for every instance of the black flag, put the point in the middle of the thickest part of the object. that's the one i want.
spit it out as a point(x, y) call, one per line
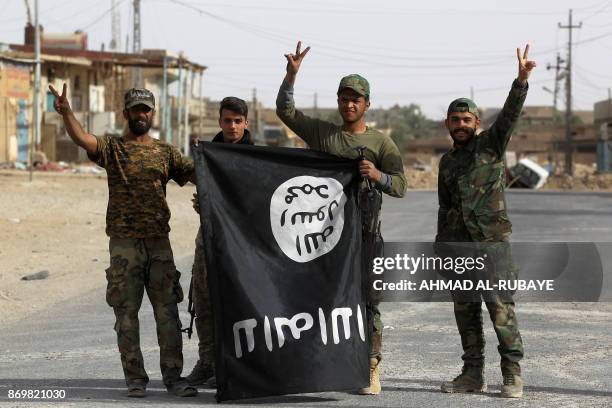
point(282, 238)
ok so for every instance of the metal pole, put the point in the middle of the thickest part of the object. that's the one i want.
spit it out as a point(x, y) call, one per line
point(255, 127)
point(188, 91)
point(180, 105)
point(163, 100)
point(201, 127)
point(168, 115)
point(36, 139)
point(556, 91)
point(569, 168)
point(136, 44)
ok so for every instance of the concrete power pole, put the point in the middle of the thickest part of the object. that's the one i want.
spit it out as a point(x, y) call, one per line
point(36, 139)
point(256, 129)
point(569, 169)
point(136, 44)
point(557, 67)
point(115, 43)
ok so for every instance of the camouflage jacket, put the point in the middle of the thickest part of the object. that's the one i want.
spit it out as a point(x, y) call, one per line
point(137, 178)
point(471, 181)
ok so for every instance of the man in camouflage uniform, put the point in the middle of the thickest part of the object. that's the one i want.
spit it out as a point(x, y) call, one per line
point(472, 209)
point(138, 168)
point(382, 165)
point(233, 114)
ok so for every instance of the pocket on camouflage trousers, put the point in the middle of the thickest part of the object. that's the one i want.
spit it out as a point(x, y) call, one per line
point(116, 278)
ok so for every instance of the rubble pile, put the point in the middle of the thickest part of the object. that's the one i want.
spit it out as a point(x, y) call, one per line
point(421, 179)
point(585, 178)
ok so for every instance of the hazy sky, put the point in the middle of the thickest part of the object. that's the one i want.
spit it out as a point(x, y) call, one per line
point(411, 52)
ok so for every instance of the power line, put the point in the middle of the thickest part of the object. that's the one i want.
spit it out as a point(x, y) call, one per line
point(377, 11)
point(276, 37)
point(55, 6)
point(606, 4)
point(101, 16)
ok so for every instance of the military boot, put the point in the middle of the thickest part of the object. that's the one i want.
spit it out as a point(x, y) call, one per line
point(471, 379)
point(512, 387)
point(201, 372)
point(374, 388)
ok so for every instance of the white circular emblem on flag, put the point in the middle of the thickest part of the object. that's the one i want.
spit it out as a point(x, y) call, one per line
point(307, 216)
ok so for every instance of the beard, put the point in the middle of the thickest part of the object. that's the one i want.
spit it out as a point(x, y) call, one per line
point(468, 131)
point(138, 127)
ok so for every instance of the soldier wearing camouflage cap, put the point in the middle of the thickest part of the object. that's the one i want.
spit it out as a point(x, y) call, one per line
point(472, 209)
point(138, 168)
point(382, 165)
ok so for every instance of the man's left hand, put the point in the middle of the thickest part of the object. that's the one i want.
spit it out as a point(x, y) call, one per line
point(369, 171)
point(525, 66)
point(196, 203)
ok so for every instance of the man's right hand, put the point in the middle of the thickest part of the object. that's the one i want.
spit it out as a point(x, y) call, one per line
point(61, 104)
point(73, 128)
point(295, 60)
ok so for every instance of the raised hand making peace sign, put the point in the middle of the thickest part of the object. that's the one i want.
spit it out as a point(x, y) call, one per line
point(294, 60)
point(525, 65)
point(61, 104)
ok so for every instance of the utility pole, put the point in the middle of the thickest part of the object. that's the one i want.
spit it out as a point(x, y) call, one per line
point(115, 43)
point(179, 111)
point(557, 67)
point(471, 92)
point(256, 118)
point(136, 44)
point(609, 102)
point(36, 137)
point(164, 100)
point(189, 75)
point(555, 93)
point(315, 105)
point(201, 121)
point(568, 101)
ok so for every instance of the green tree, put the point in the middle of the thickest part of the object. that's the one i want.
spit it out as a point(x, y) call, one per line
point(406, 123)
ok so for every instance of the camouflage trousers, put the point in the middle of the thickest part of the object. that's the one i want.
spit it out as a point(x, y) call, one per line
point(137, 265)
point(469, 322)
point(377, 329)
point(203, 310)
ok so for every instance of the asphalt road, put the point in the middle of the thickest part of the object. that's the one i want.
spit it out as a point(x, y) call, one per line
point(568, 361)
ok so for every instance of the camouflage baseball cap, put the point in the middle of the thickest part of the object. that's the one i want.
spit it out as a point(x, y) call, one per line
point(139, 96)
point(357, 83)
point(463, 105)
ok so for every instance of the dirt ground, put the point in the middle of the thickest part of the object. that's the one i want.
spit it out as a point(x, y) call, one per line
point(585, 178)
point(56, 223)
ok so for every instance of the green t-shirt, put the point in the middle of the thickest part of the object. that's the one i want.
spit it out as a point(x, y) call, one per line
point(137, 178)
point(330, 138)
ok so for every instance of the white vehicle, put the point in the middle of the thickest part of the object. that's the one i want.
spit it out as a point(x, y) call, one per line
point(527, 174)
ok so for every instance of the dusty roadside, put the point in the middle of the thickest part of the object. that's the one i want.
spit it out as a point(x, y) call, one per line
point(56, 223)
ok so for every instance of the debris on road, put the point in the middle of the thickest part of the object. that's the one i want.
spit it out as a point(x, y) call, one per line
point(36, 276)
point(527, 174)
